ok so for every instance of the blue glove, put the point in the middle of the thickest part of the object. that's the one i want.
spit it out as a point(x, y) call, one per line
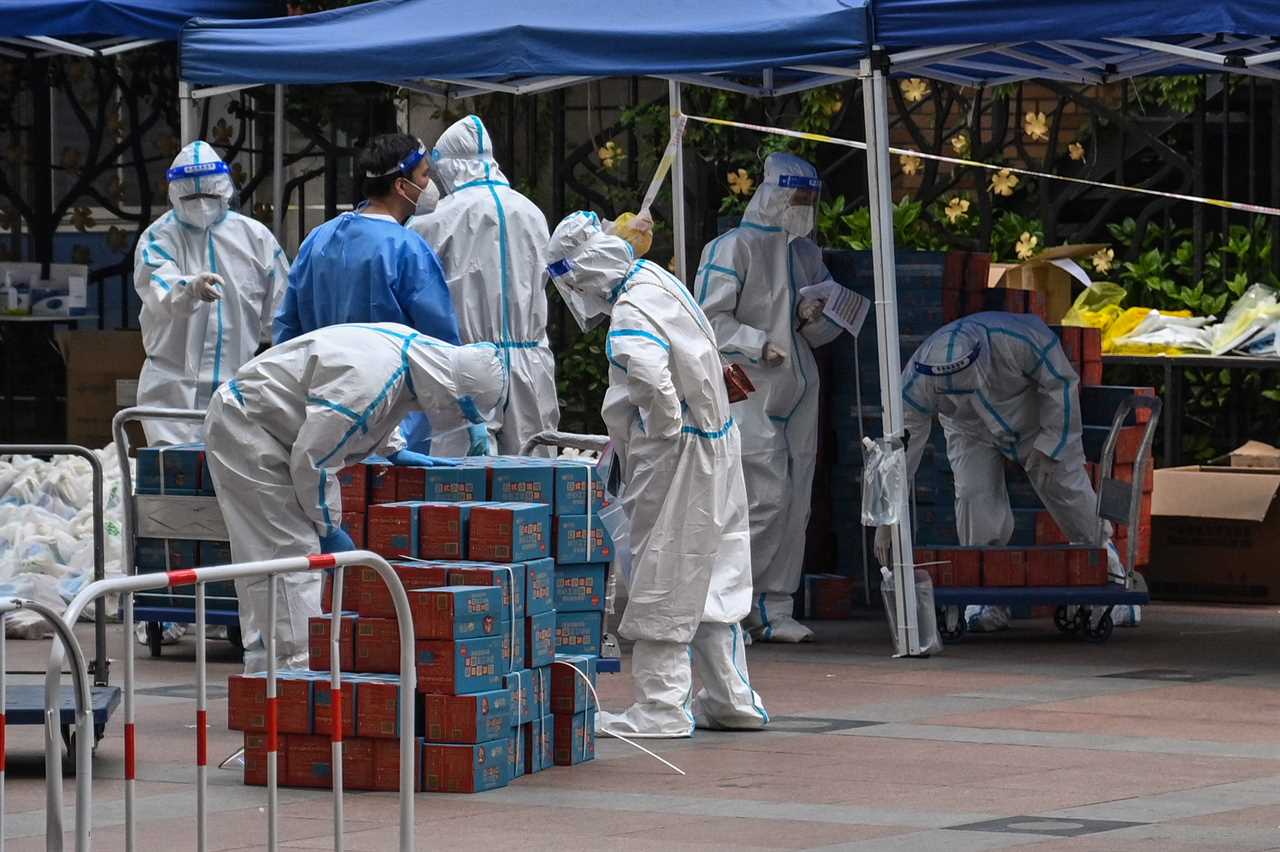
point(479, 435)
point(337, 542)
point(408, 458)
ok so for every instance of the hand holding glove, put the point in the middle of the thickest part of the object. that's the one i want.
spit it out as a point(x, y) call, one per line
point(337, 542)
point(479, 439)
point(207, 287)
point(408, 458)
point(774, 355)
point(883, 547)
point(810, 309)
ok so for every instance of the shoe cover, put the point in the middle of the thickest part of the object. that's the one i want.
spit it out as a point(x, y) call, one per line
point(255, 660)
point(771, 620)
point(1126, 616)
point(726, 700)
point(987, 619)
point(662, 678)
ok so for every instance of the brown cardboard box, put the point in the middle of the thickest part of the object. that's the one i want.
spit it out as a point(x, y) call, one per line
point(1215, 533)
point(95, 360)
point(1256, 454)
point(1050, 272)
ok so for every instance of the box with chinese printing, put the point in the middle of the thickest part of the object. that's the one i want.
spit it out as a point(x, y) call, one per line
point(247, 702)
point(540, 639)
point(358, 764)
point(350, 589)
point(509, 532)
point(453, 484)
point(541, 691)
point(1086, 566)
point(255, 758)
point(575, 738)
point(375, 596)
point(459, 667)
point(539, 744)
point(353, 525)
point(217, 594)
point(377, 706)
point(443, 528)
point(391, 529)
point(309, 762)
point(382, 480)
point(520, 684)
point(324, 708)
point(525, 481)
point(540, 586)
point(466, 768)
point(572, 496)
point(569, 692)
point(513, 635)
point(353, 482)
point(828, 596)
point(151, 555)
point(476, 718)
point(319, 642)
point(455, 612)
point(581, 539)
point(517, 751)
point(580, 588)
point(579, 632)
point(377, 645)
point(502, 576)
point(386, 763)
point(172, 470)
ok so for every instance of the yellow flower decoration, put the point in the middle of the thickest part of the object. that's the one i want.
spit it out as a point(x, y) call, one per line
point(117, 239)
point(960, 144)
point(957, 209)
point(1076, 150)
point(1004, 182)
point(1102, 260)
point(833, 106)
point(914, 90)
point(1036, 126)
point(1026, 246)
point(82, 219)
point(740, 183)
point(610, 155)
point(910, 164)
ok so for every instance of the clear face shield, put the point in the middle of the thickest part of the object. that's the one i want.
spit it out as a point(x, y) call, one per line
point(800, 216)
point(203, 192)
point(588, 310)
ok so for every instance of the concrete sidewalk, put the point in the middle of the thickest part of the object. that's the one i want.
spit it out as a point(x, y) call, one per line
point(1165, 738)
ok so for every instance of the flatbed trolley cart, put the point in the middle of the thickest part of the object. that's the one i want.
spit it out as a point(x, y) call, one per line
point(590, 443)
point(193, 518)
point(1119, 502)
point(24, 703)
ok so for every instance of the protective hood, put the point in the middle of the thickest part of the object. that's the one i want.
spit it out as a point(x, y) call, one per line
point(476, 378)
point(787, 198)
point(587, 264)
point(197, 172)
point(953, 360)
point(464, 154)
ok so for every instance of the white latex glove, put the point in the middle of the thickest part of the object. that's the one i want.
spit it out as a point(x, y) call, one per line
point(883, 547)
point(207, 286)
point(810, 309)
point(774, 355)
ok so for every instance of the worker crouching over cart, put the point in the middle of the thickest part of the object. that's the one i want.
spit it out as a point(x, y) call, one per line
point(277, 435)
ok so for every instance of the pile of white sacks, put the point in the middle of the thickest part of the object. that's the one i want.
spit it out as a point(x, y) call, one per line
point(46, 532)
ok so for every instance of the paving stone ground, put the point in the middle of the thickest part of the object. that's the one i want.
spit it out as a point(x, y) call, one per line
point(1166, 738)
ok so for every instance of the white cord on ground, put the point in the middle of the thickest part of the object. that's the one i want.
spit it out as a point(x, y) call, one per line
point(616, 736)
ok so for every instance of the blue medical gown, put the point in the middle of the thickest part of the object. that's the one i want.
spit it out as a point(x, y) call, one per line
point(357, 268)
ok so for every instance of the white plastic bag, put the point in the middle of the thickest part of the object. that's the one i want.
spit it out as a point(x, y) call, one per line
point(884, 482)
point(926, 614)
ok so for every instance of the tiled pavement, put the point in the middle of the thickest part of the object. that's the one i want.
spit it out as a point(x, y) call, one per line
point(1164, 739)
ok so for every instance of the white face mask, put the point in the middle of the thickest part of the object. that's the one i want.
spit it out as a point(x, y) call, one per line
point(427, 199)
point(798, 221)
point(202, 212)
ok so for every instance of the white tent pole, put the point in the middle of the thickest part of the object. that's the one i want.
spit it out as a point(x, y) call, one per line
point(677, 182)
point(277, 169)
point(880, 199)
point(186, 113)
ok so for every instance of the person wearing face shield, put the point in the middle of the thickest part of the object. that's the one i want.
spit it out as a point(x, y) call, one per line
point(279, 432)
point(490, 240)
point(749, 282)
point(366, 266)
point(667, 412)
point(1003, 390)
point(209, 280)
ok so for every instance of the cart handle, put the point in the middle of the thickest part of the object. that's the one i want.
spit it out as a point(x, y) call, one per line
point(552, 438)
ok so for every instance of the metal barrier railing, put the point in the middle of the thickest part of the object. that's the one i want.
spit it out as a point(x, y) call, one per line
point(272, 569)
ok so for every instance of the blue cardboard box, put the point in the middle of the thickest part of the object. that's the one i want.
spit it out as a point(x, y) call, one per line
point(520, 684)
point(170, 470)
point(455, 612)
point(581, 539)
point(455, 484)
point(524, 481)
point(460, 667)
point(579, 632)
point(151, 555)
point(575, 738)
point(569, 692)
point(542, 690)
point(477, 718)
point(513, 638)
point(450, 768)
point(540, 577)
point(580, 588)
point(540, 640)
point(445, 528)
point(572, 496)
point(502, 576)
point(509, 532)
point(539, 736)
point(518, 747)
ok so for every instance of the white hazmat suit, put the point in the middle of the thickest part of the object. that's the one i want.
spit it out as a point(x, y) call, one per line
point(210, 281)
point(667, 412)
point(279, 432)
point(491, 242)
point(749, 284)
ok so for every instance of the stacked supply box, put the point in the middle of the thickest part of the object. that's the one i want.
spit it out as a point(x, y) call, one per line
point(1036, 565)
point(583, 554)
point(573, 709)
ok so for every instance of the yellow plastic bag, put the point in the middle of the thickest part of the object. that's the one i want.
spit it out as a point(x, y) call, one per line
point(1097, 307)
point(1113, 336)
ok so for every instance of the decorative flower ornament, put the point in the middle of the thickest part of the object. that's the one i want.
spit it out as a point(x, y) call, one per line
point(740, 183)
point(914, 90)
point(1102, 260)
point(1026, 246)
point(957, 209)
point(1036, 126)
point(1076, 150)
point(1004, 182)
point(910, 164)
point(960, 144)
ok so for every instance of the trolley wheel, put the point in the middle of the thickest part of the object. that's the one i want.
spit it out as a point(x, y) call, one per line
point(951, 633)
point(235, 638)
point(1064, 621)
point(1100, 632)
point(155, 637)
point(69, 746)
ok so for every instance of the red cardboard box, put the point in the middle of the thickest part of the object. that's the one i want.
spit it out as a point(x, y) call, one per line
point(375, 597)
point(319, 635)
point(962, 566)
point(411, 483)
point(952, 300)
point(1046, 566)
point(1091, 345)
point(1091, 373)
point(358, 764)
point(1004, 567)
point(354, 483)
point(442, 530)
point(828, 596)
point(310, 762)
point(1069, 337)
point(382, 483)
point(461, 667)
point(475, 718)
point(247, 703)
point(1086, 566)
point(377, 645)
point(455, 612)
point(509, 532)
point(392, 529)
point(353, 525)
point(448, 768)
point(324, 709)
point(1047, 531)
point(1124, 472)
point(255, 759)
point(1037, 304)
point(386, 762)
point(350, 589)
point(575, 738)
point(378, 708)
